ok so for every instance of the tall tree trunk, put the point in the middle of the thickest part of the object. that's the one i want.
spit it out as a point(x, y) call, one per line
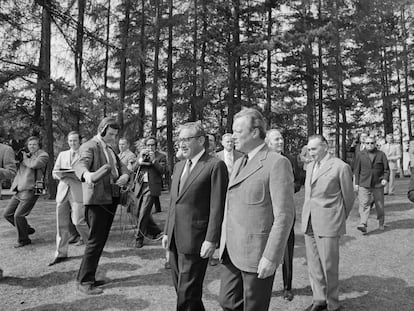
point(268, 105)
point(249, 57)
point(170, 107)
point(231, 102)
point(320, 74)
point(108, 26)
point(79, 57)
point(203, 58)
point(194, 101)
point(238, 71)
point(386, 100)
point(399, 97)
point(406, 72)
point(45, 84)
point(124, 53)
point(156, 64)
point(142, 74)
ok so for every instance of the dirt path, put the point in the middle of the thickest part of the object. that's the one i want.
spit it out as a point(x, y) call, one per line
point(376, 270)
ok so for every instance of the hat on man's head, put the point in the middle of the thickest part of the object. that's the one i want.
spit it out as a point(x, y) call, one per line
point(107, 121)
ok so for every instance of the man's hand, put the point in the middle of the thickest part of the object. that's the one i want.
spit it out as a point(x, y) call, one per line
point(266, 268)
point(122, 180)
point(356, 188)
point(88, 178)
point(207, 249)
point(384, 182)
point(164, 241)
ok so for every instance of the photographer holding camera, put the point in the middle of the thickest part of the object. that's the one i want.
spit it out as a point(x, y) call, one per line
point(151, 166)
point(28, 184)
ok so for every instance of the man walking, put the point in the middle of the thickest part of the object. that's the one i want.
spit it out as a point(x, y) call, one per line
point(329, 197)
point(192, 228)
point(152, 165)
point(371, 176)
point(393, 153)
point(32, 167)
point(102, 174)
point(258, 217)
point(7, 169)
point(126, 156)
point(69, 199)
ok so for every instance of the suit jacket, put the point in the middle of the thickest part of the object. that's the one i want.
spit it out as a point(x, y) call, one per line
point(368, 174)
point(92, 157)
point(30, 170)
point(7, 163)
point(329, 198)
point(127, 157)
point(196, 213)
point(393, 154)
point(155, 171)
point(259, 211)
point(236, 155)
point(67, 185)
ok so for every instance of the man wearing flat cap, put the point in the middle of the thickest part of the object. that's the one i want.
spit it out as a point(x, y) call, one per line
point(102, 174)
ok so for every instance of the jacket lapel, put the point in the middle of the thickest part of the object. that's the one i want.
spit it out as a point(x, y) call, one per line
point(252, 166)
point(323, 169)
point(193, 174)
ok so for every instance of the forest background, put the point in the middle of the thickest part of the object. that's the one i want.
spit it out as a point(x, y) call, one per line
point(334, 67)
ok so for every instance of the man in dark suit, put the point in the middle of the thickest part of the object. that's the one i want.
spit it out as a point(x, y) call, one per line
point(258, 217)
point(275, 142)
point(329, 198)
point(192, 229)
point(152, 165)
point(102, 174)
point(229, 155)
point(371, 176)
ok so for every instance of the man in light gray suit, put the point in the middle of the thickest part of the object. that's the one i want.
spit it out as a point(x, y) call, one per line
point(228, 154)
point(7, 169)
point(329, 197)
point(258, 217)
point(68, 198)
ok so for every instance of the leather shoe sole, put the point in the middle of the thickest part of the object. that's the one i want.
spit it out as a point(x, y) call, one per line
point(99, 283)
point(31, 231)
point(57, 260)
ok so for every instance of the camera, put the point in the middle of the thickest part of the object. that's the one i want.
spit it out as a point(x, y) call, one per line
point(40, 187)
point(19, 154)
point(146, 157)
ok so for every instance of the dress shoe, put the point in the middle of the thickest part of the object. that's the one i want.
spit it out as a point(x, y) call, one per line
point(57, 260)
point(287, 295)
point(30, 231)
point(89, 289)
point(362, 228)
point(167, 265)
point(317, 307)
point(73, 239)
point(213, 262)
point(99, 283)
point(381, 227)
point(22, 244)
point(139, 243)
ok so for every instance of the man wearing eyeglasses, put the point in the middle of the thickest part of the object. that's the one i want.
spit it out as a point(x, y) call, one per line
point(371, 175)
point(192, 228)
point(152, 165)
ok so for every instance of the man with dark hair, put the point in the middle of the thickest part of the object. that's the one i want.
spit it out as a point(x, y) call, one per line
point(329, 198)
point(102, 174)
point(371, 176)
point(32, 169)
point(69, 200)
point(151, 166)
point(192, 228)
point(125, 155)
point(258, 217)
point(7, 169)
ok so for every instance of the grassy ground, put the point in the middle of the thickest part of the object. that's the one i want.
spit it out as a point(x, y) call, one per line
point(376, 270)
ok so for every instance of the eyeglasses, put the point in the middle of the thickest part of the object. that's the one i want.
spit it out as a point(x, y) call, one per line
point(187, 139)
point(370, 143)
point(150, 145)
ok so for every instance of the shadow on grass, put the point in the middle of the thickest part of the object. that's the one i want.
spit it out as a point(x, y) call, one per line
point(102, 302)
point(405, 224)
point(155, 279)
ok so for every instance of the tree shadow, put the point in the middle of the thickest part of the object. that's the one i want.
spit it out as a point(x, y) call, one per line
point(102, 302)
point(154, 279)
point(405, 224)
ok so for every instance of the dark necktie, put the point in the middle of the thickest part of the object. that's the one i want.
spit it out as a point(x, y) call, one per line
point(185, 174)
point(243, 163)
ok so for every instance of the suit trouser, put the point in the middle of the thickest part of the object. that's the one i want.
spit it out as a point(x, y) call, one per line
point(287, 267)
point(390, 186)
point(243, 291)
point(65, 211)
point(188, 271)
point(146, 223)
point(322, 254)
point(366, 197)
point(73, 232)
point(20, 206)
point(99, 219)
